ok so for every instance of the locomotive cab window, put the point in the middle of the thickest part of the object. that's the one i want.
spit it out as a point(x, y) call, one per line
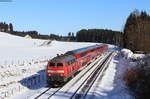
point(52, 65)
point(59, 64)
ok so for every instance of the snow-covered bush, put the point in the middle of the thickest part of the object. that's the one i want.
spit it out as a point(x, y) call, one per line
point(126, 53)
point(137, 57)
point(131, 76)
point(138, 78)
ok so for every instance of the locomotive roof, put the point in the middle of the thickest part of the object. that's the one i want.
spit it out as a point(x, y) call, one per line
point(81, 50)
point(62, 58)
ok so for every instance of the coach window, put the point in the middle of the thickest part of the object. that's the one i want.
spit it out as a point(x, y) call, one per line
point(52, 65)
point(73, 61)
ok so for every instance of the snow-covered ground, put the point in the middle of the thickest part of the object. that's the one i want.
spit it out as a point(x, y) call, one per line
point(23, 60)
point(110, 86)
point(14, 49)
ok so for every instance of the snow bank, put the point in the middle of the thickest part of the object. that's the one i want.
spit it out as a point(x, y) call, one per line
point(111, 85)
point(131, 58)
point(138, 56)
point(126, 53)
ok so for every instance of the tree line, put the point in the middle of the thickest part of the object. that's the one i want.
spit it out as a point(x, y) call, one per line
point(101, 36)
point(135, 35)
point(137, 32)
point(8, 28)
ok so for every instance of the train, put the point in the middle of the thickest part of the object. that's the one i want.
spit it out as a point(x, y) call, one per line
point(63, 67)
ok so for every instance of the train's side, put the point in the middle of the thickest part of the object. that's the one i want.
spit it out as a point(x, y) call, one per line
point(61, 68)
point(85, 55)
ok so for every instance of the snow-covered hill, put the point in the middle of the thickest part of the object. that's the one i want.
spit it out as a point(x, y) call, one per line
point(15, 49)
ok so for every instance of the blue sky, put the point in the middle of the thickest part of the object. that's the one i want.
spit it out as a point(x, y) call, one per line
point(63, 16)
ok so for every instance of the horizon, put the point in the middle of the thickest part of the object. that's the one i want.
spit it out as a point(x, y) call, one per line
point(61, 17)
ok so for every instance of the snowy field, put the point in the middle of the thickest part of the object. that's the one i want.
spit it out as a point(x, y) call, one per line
point(14, 49)
point(23, 60)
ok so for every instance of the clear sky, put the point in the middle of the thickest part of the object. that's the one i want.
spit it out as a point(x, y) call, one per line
point(63, 16)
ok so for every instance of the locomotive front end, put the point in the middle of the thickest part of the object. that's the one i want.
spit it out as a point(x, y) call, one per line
point(55, 72)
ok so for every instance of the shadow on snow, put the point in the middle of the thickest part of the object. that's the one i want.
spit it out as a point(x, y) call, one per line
point(35, 81)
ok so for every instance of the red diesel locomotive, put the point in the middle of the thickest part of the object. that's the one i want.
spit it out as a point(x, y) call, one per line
point(63, 67)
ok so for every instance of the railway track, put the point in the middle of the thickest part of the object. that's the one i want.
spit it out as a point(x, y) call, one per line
point(83, 88)
point(47, 93)
point(80, 88)
point(42, 93)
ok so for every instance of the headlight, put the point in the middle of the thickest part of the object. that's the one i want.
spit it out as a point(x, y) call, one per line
point(50, 71)
point(57, 71)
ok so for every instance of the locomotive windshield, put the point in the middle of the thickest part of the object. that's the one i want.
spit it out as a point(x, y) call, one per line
point(59, 64)
point(52, 65)
point(55, 64)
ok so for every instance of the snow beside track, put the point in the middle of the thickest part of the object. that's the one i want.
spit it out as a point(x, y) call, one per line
point(111, 86)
